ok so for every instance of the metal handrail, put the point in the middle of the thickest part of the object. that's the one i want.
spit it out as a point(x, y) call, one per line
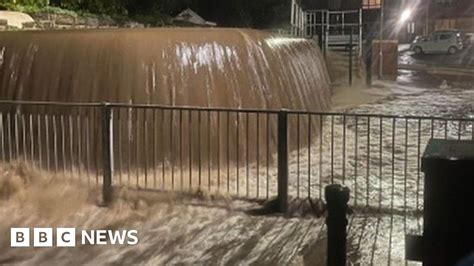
point(233, 110)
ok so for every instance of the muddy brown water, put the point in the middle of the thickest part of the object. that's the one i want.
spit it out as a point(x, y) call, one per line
point(231, 68)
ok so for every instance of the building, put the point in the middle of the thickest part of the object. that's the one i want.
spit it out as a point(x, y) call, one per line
point(337, 14)
point(402, 20)
point(457, 14)
point(432, 15)
point(190, 18)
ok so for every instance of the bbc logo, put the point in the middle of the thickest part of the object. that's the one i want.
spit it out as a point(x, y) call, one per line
point(42, 237)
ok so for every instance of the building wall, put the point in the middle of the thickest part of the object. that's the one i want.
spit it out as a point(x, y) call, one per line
point(433, 15)
point(458, 14)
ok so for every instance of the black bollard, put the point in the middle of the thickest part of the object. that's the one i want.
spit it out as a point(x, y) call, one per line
point(337, 198)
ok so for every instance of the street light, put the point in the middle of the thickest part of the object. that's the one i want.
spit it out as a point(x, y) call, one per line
point(406, 15)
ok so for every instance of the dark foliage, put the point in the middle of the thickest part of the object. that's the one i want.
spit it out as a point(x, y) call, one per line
point(233, 13)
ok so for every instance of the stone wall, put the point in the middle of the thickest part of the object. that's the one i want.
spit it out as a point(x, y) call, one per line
point(51, 21)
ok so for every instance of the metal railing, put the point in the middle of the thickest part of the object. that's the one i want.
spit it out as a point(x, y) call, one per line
point(246, 153)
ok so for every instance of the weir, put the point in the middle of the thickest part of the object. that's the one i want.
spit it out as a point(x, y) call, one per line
point(180, 67)
point(226, 68)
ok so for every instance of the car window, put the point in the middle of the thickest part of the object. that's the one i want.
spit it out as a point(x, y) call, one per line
point(444, 37)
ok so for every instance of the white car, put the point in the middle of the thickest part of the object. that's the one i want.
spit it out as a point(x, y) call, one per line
point(446, 41)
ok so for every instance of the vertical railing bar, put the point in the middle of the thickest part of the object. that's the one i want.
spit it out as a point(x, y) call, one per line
point(17, 138)
point(97, 127)
point(129, 112)
point(23, 138)
point(146, 148)
point(171, 159)
point(332, 149)
point(107, 121)
point(393, 162)
point(48, 148)
point(247, 161)
point(162, 148)
point(120, 145)
point(321, 165)
point(405, 179)
point(258, 154)
point(32, 140)
point(228, 151)
point(137, 147)
point(298, 156)
point(309, 156)
point(79, 144)
point(237, 159)
point(356, 159)
point(190, 132)
point(344, 121)
point(71, 143)
point(88, 154)
point(392, 193)
point(432, 128)
point(55, 144)
point(209, 149)
point(459, 129)
point(268, 155)
point(445, 129)
point(9, 134)
point(380, 162)
point(155, 148)
point(368, 163)
point(199, 151)
point(218, 150)
point(40, 141)
point(181, 170)
point(2, 137)
point(63, 143)
point(418, 154)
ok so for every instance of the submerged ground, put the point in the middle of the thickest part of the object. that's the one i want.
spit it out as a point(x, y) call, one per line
point(206, 231)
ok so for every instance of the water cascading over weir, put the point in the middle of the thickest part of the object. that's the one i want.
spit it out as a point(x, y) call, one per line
point(228, 68)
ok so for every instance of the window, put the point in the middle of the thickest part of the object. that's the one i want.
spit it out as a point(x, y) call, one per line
point(370, 4)
point(444, 37)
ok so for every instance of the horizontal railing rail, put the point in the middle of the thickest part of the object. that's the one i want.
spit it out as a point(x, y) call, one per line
point(234, 109)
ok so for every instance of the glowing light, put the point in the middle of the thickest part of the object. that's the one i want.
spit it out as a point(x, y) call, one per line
point(406, 15)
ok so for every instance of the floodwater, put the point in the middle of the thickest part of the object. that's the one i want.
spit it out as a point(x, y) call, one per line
point(199, 67)
point(202, 229)
point(205, 229)
point(233, 68)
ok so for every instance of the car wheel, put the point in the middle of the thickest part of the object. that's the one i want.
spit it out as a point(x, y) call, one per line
point(452, 50)
point(418, 50)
